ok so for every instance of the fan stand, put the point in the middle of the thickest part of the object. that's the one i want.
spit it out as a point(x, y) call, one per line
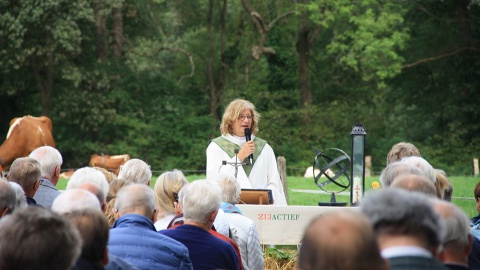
point(333, 202)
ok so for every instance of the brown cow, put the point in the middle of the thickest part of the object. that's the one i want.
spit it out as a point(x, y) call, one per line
point(111, 163)
point(25, 135)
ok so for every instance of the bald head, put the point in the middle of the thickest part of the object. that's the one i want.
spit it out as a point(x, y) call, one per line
point(340, 240)
point(95, 190)
point(416, 183)
point(135, 199)
point(75, 199)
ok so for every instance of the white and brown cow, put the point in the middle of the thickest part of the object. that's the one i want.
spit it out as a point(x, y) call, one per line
point(25, 135)
point(111, 163)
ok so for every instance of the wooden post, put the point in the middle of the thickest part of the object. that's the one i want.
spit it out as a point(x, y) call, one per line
point(368, 166)
point(475, 166)
point(282, 170)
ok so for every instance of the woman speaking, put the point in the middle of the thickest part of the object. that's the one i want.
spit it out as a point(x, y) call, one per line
point(240, 153)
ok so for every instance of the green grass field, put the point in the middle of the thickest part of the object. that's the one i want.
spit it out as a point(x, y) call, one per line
point(463, 187)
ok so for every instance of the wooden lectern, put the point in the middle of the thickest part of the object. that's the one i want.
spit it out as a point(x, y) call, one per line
point(256, 196)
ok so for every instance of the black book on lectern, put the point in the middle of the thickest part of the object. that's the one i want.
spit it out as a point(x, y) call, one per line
point(256, 196)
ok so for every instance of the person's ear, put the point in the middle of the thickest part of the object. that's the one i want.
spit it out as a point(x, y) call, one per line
point(56, 173)
point(104, 260)
point(36, 185)
point(154, 216)
point(213, 215)
point(178, 208)
point(115, 213)
point(6, 211)
point(468, 248)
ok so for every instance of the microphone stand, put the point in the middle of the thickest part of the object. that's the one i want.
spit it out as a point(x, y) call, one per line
point(235, 164)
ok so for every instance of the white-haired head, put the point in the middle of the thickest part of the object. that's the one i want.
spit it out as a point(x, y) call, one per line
point(75, 199)
point(425, 167)
point(136, 171)
point(50, 161)
point(88, 175)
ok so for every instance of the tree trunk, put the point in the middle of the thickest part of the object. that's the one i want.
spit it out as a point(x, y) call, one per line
point(100, 30)
point(214, 97)
point(44, 82)
point(303, 49)
point(117, 20)
point(462, 13)
point(217, 84)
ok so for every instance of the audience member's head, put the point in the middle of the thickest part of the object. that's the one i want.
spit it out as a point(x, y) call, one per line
point(136, 171)
point(476, 193)
point(21, 201)
point(230, 188)
point(94, 229)
point(395, 169)
point(416, 183)
point(95, 190)
point(88, 175)
point(397, 213)
point(27, 236)
point(457, 243)
point(50, 161)
point(8, 197)
point(340, 240)
point(445, 188)
point(166, 190)
point(200, 201)
point(75, 199)
point(423, 165)
point(401, 150)
point(113, 189)
point(26, 172)
point(135, 199)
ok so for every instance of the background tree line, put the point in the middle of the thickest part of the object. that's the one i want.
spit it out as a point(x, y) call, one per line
point(151, 78)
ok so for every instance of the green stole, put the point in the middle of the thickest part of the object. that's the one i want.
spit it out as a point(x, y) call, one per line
point(229, 148)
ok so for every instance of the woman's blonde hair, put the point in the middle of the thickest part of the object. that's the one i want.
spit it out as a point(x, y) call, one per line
point(233, 111)
point(166, 191)
point(113, 189)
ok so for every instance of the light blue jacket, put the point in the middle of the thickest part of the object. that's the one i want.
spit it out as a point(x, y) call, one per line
point(134, 238)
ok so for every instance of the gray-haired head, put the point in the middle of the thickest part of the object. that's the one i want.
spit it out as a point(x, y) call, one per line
point(457, 225)
point(395, 169)
point(199, 200)
point(88, 175)
point(26, 172)
point(425, 167)
point(135, 199)
point(94, 231)
point(75, 199)
point(8, 197)
point(49, 159)
point(27, 236)
point(230, 188)
point(21, 200)
point(395, 212)
point(136, 171)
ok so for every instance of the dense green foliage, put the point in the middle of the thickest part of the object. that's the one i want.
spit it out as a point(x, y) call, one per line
point(154, 83)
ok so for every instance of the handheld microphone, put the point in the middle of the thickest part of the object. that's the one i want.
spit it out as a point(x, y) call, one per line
point(248, 137)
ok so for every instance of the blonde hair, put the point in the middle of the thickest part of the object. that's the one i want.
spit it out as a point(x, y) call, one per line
point(166, 191)
point(401, 150)
point(109, 176)
point(233, 110)
point(443, 184)
point(113, 189)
